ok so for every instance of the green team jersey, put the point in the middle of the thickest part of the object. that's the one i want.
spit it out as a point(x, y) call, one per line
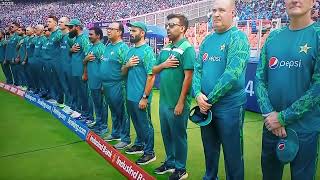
point(220, 68)
point(65, 53)
point(171, 79)
point(11, 49)
point(137, 75)
point(288, 77)
point(38, 41)
point(22, 48)
point(93, 66)
point(78, 57)
point(45, 55)
point(2, 49)
point(53, 48)
point(30, 48)
point(113, 58)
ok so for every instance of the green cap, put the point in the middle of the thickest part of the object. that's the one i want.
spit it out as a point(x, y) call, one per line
point(74, 22)
point(288, 147)
point(200, 119)
point(138, 24)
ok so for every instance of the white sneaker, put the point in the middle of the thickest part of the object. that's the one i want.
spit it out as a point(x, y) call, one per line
point(75, 114)
point(67, 110)
point(51, 101)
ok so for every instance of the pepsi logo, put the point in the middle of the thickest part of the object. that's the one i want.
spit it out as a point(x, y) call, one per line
point(273, 63)
point(205, 56)
point(281, 146)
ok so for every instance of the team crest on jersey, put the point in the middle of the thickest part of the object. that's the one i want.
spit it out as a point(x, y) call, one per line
point(273, 62)
point(281, 146)
point(304, 48)
point(205, 57)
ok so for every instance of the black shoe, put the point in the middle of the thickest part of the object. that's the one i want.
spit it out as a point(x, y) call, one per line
point(146, 159)
point(134, 150)
point(163, 169)
point(179, 174)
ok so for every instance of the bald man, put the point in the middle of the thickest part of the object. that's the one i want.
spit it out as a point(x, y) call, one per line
point(29, 57)
point(219, 86)
point(64, 66)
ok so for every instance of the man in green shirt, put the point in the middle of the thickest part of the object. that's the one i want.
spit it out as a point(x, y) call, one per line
point(36, 62)
point(29, 57)
point(52, 63)
point(64, 66)
point(114, 85)
point(21, 58)
point(11, 52)
point(83, 111)
point(138, 68)
point(92, 63)
point(219, 86)
point(288, 91)
point(175, 65)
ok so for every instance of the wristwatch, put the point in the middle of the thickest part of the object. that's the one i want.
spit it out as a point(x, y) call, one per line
point(145, 96)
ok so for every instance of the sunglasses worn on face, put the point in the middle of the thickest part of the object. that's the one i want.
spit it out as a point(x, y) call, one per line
point(172, 25)
point(112, 29)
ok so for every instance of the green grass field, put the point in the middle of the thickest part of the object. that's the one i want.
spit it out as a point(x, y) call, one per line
point(34, 145)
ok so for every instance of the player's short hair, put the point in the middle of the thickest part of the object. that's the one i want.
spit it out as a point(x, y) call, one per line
point(16, 24)
point(54, 18)
point(182, 19)
point(121, 27)
point(97, 31)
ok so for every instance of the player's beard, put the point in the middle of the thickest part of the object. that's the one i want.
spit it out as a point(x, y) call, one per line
point(135, 39)
point(72, 34)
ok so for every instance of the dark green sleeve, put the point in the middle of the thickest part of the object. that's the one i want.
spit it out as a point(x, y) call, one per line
point(237, 58)
point(310, 100)
point(261, 79)
point(197, 73)
point(149, 60)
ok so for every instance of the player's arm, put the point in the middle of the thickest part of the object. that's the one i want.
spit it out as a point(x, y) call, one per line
point(197, 73)
point(189, 57)
point(261, 81)
point(237, 58)
point(307, 102)
point(148, 63)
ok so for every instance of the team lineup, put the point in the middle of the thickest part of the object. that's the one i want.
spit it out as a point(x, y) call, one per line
point(88, 79)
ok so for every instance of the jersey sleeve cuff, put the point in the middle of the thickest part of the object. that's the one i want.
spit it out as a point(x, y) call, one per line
point(281, 119)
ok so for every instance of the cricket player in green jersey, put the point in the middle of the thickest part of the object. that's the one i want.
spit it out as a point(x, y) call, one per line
point(92, 63)
point(29, 53)
point(219, 87)
point(52, 64)
point(21, 58)
point(83, 111)
point(11, 53)
point(114, 85)
point(175, 65)
point(64, 66)
point(288, 91)
point(140, 79)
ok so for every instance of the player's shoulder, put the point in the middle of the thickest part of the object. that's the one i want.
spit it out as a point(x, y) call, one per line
point(316, 27)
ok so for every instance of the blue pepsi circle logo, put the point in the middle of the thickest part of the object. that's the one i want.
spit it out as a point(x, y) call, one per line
point(273, 62)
